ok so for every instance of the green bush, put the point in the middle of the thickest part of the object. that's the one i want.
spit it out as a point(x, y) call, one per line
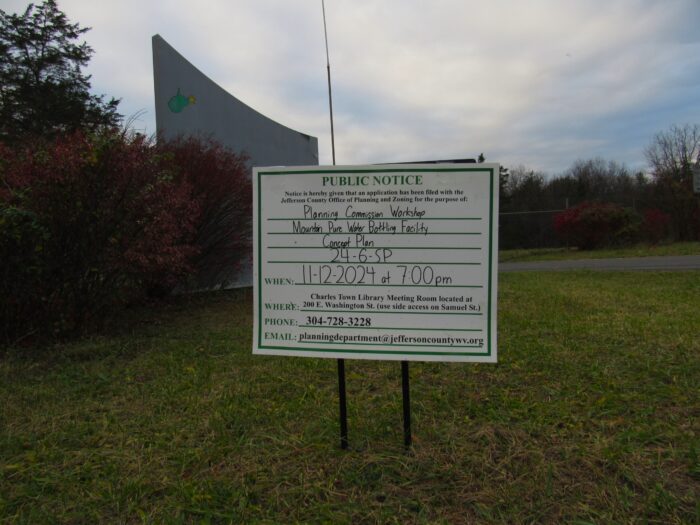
point(22, 243)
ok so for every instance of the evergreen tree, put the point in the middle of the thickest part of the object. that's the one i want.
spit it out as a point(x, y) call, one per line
point(43, 91)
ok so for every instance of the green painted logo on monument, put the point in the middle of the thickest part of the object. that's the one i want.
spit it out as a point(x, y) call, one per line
point(180, 102)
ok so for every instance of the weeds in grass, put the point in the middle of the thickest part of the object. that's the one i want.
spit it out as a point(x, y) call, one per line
point(592, 415)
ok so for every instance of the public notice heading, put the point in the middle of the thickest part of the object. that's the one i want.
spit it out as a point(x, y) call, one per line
point(392, 262)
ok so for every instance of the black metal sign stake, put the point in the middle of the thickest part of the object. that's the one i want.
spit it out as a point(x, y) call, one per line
point(343, 405)
point(406, 404)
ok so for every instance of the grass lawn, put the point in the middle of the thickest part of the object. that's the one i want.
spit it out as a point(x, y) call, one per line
point(560, 254)
point(591, 416)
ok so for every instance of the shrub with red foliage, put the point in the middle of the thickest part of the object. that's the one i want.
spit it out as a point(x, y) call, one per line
point(656, 225)
point(85, 224)
point(222, 188)
point(596, 224)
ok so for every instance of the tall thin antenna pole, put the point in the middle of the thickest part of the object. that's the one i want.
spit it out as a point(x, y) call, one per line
point(328, 69)
point(342, 399)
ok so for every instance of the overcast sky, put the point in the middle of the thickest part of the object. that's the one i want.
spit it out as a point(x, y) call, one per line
point(539, 83)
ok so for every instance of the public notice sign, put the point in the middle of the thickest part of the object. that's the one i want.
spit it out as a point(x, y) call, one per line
point(376, 262)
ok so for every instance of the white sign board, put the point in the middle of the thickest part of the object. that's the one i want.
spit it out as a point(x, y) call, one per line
point(394, 262)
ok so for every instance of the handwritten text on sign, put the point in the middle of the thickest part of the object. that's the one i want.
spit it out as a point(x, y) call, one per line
point(376, 262)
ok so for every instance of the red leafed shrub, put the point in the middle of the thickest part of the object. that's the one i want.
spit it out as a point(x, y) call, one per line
point(223, 190)
point(656, 225)
point(86, 224)
point(596, 224)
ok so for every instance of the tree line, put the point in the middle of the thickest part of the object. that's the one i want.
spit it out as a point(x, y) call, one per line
point(655, 206)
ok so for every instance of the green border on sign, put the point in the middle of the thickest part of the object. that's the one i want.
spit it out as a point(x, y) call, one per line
point(382, 170)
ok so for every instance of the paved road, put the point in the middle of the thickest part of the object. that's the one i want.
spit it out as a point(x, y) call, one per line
point(679, 262)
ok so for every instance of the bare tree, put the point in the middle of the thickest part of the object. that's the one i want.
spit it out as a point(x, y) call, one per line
point(672, 152)
point(671, 155)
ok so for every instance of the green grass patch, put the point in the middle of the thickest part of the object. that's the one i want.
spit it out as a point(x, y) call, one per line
point(592, 415)
point(561, 254)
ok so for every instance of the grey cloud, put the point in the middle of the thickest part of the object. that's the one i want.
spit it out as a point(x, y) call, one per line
point(542, 82)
